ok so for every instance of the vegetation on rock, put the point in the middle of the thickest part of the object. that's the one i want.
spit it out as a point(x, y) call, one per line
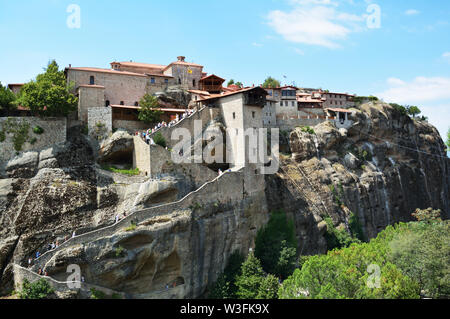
point(49, 94)
point(40, 289)
point(413, 259)
point(7, 98)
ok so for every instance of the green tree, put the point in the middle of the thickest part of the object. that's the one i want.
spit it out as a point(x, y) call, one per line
point(268, 288)
point(276, 245)
point(148, 113)
point(37, 290)
point(225, 287)
point(7, 98)
point(49, 94)
point(423, 253)
point(413, 111)
point(270, 82)
point(250, 279)
point(231, 82)
point(239, 84)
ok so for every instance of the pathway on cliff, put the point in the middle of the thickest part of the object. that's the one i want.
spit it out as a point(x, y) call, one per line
point(135, 217)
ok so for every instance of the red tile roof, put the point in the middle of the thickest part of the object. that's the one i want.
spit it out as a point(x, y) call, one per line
point(106, 71)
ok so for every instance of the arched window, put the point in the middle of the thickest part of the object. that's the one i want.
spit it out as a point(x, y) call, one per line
point(193, 82)
point(107, 103)
point(179, 80)
point(122, 103)
point(92, 80)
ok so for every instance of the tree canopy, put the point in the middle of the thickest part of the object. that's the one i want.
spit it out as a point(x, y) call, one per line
point(270, 82)
point(7, 98)
point(148, 112)
point(413, 111)
point(49, 94)
point(405, 261)
point(276, 245)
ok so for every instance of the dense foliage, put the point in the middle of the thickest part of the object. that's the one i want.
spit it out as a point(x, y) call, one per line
point(159, 139)
point(37, 290)
point(276, 245)
point(49, 94)
point(270, 82)
point(411, 258)
point(148, 113)
point(7, 98)
point(252, 283)
point(225, 287)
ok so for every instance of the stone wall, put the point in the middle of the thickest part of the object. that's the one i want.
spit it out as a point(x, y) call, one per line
point(205, 115)
point(141, 156)
point(130, 126)
point(118, 87)
point(99, 121)
point(55, 131)
point(89, 97)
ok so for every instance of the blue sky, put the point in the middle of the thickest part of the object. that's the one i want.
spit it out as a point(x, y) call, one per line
point(314, 43)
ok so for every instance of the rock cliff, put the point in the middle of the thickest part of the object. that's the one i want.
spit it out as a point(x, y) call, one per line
point(381, 169)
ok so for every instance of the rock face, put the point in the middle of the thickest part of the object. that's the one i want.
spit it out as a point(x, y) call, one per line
point(381, 169)
point(118, 148)
point(182, 233)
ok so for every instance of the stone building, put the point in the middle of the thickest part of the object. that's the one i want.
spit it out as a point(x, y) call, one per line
point(337, 100)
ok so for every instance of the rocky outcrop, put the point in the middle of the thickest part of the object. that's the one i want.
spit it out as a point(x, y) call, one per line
point(181, 228)
point(118, 148)
point(381, 169)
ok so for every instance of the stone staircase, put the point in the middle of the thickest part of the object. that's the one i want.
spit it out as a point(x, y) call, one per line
point(214, 191)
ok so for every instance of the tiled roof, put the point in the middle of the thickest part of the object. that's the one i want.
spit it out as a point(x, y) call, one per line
point(211, 76)
point(339, 110)
point(138, 107)
point(141, 65)
point(106, 71)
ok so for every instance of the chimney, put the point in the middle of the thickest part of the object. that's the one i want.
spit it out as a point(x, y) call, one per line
point(70, 66)
point(181, 58)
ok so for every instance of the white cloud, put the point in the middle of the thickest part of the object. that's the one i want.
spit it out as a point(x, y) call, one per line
point(446, 56)
point(255, 44)
point(421, 89)
point(431, 94)
point(412, 12)
point(314, 22)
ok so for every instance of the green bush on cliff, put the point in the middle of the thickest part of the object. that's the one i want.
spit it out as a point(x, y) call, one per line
point(412, 257)
point(225, 287)
point(276, 245)
point(40, 289)
point(252, 283)
point(159, 139)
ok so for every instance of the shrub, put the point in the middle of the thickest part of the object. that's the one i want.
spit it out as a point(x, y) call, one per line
point(132, 227)
point(38, 130)
point(337, 238)
point(33, 141)
point(308, 130)
point(276, 245)
point(119, 251)
point(159, 139)
point(37, 290)
point(225, 287)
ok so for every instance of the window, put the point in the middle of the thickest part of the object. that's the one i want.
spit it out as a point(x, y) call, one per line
point(179, 80)
point(193, 83)
point(293, 103)
point(136, 103)
point(107, 103)
point(281, 103)
point(152, 80)
point(253, 114)
point(166, 81)
point(92, 80)
point(234, 116)
point(122, 103)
